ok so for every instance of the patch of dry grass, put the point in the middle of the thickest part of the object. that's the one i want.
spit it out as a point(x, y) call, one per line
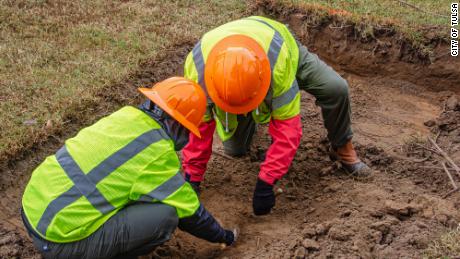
point(56, 56)
point(410, 13)
point(447, 246)
point(414, 18)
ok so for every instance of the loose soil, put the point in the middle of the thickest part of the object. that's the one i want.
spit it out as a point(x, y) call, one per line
point(399, 98)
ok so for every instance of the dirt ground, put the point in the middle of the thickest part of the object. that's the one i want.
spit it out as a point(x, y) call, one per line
point(398, 99)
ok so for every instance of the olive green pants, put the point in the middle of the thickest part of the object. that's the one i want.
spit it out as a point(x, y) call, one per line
point(331, 93)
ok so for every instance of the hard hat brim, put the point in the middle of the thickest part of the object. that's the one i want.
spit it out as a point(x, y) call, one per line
point(238, 41)
point(152, 95)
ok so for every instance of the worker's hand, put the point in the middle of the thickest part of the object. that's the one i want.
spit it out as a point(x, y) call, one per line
point(263, 199)
point(231, 237)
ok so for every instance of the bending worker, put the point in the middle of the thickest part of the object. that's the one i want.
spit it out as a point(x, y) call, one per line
point(115, 190)
point(252, 70)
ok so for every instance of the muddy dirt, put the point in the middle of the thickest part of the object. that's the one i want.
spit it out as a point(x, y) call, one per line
point(324, 213)
point(397, 102)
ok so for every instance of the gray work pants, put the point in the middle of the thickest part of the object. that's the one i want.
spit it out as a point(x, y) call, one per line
point(135, 230)
point(331, 93)
point(238, 144)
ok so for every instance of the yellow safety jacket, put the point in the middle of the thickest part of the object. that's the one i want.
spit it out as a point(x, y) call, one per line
point(283, 99)
point(123, 158)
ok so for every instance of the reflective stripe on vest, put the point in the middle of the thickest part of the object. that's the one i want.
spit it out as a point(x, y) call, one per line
point(85, 184)
point(286, 97)
point(273, 53)
point(199, 64)
point(163, 191)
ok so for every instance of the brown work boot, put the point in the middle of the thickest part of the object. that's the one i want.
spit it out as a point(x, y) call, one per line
point(350, 162)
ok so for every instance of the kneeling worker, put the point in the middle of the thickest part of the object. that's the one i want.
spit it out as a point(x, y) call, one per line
point(115, 190)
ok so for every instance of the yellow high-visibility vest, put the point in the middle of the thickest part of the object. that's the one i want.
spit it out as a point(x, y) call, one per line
point(283, 99)
point(123, 158)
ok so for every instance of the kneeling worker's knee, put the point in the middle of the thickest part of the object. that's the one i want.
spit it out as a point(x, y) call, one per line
point(169, 222)
point(154, 223)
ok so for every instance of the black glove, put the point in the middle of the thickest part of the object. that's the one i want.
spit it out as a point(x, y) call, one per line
point(196, 187)
point(230, 237)
point(263, 199)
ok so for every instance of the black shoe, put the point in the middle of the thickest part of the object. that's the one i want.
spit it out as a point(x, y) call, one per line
point(359, 169)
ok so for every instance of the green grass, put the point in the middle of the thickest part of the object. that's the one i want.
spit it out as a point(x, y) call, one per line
point(414, 18)
point(408, 12)
point(447, 246)
point(58, 54)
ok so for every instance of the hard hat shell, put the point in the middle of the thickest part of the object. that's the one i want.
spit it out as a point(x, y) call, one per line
point(237, 74)
point(181, 98)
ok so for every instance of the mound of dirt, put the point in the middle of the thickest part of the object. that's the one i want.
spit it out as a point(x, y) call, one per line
point(13, 244)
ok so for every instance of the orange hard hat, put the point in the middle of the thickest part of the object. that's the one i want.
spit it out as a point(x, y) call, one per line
point(181, 98)
point(237, 74)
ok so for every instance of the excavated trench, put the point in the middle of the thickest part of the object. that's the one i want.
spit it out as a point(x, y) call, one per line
point(399, 97)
